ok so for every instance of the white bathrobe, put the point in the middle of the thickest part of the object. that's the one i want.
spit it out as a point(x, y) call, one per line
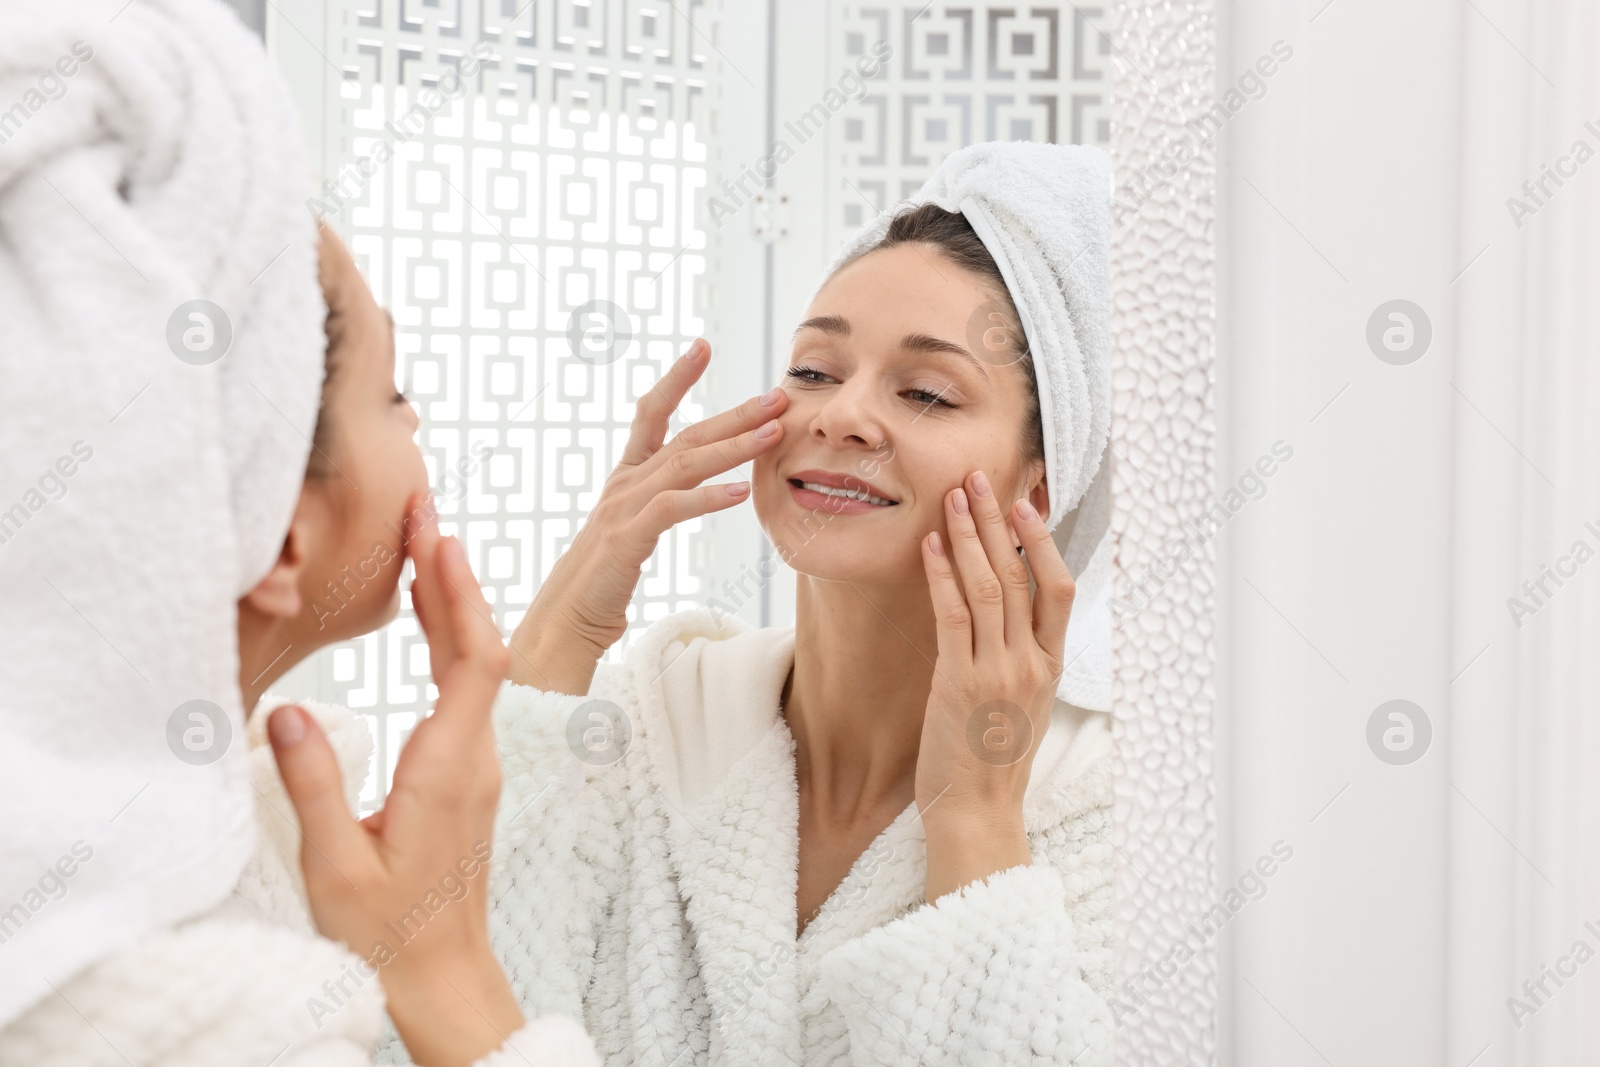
point(249, 983)
point(654, 897)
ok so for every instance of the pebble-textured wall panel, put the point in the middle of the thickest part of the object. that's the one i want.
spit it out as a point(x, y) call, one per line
point(1163, 432)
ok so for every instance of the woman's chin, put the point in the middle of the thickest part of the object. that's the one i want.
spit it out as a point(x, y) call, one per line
point(859, 565)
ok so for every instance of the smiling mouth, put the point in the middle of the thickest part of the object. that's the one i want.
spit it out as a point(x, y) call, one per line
point(843, 494)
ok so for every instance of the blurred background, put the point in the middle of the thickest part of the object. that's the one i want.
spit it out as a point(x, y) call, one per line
point(1356, 468)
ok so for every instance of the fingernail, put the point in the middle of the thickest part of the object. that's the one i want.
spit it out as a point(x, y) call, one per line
point(1026, 511)
point(959, 499)
point(698, 348)
point(738, 488)
point(286, 726)
point(770, 397)
point(767, 430)
point(980, 483)
point(935, 545)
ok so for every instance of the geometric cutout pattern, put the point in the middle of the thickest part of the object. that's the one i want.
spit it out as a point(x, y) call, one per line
point(518, 182)
point(957, 76)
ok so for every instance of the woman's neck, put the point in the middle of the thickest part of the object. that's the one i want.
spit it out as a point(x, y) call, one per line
point(266, 652)
point(863, 665)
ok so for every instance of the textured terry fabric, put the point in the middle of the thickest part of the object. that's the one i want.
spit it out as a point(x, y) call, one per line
point(250, 983)
point(168, 169)
point(654, 896)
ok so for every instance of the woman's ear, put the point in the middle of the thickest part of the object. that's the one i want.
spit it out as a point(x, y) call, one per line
point(1039, 495)
point(278, 594)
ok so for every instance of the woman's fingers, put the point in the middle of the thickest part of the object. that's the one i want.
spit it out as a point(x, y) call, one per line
point(443, 763)
point(994, 531)
point(952, 618)
point(711, 436)
point(316, 789)
point(984, 593)
point(654, 410)
point(1052, 604)
point(669, 508)
point(428, 594)
point(480, 665)
point(682, 468)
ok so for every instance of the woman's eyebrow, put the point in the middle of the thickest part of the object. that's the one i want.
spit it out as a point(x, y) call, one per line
point(826, 323)
point(911, 342)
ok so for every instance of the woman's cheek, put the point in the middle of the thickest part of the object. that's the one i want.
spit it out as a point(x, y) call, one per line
point(410, 457)
point(383, 589)
point(765, 467)
point(410, 485)
point(764, 486)
point(393, 609)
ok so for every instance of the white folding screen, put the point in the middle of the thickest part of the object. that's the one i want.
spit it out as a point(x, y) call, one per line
point(521, 184)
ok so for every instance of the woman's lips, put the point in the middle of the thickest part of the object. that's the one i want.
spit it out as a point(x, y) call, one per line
point(837, 494)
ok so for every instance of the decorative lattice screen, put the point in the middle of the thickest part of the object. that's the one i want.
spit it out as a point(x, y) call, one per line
point(959, 75)
point(530, 220)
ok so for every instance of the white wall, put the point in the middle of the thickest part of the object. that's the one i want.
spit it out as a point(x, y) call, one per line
point(1379, 564)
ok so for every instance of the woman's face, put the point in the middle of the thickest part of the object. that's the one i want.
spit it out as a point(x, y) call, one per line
point(893, 392)
point(369, 472)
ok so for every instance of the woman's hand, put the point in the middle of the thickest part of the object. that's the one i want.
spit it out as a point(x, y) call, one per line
point(581, 610)
point(407, 888)
point(994, 682)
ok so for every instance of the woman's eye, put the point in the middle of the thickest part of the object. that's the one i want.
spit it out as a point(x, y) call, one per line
point(806, 374)
point(923, 396)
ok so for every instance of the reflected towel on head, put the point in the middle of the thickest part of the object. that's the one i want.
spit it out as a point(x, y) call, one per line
point(161, 361)
point(1043, 212)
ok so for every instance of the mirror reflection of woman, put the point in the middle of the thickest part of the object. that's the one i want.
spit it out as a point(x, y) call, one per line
point(878, 837)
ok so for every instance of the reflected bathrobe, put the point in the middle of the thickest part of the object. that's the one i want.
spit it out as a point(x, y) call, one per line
point(645, 880)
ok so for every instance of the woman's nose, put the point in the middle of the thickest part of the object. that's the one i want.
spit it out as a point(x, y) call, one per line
point(851, 415)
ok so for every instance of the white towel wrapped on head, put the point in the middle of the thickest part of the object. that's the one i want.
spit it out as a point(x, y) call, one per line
point(169, 171)
point(1043, 213)
point(155, 160)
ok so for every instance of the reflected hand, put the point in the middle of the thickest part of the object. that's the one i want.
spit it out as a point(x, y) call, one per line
point(1000, 656)
point(581, 609)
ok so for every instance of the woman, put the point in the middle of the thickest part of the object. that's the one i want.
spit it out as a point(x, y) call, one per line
point(880, 837)
point(171, 565)
point(405, 889)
